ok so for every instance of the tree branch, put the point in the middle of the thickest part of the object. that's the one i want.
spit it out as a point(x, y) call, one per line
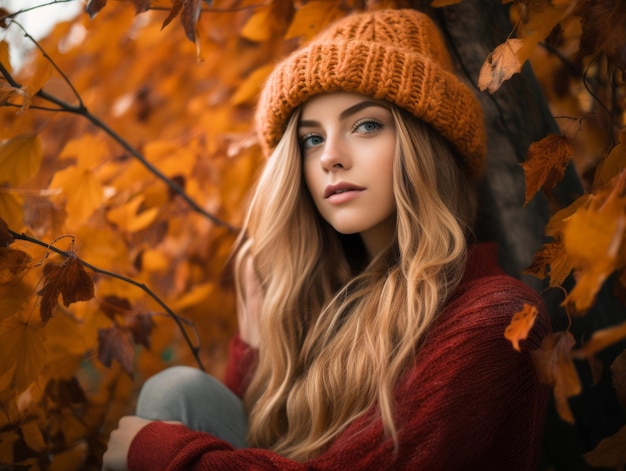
point(179, 320)
point(82, 110)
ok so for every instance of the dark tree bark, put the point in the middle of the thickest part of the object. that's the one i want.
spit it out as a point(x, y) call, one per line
point(515, 116)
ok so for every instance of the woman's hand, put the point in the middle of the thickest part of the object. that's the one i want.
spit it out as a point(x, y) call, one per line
point(116, 456)
point(248, 311)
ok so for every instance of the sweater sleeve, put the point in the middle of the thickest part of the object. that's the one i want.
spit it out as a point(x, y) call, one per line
point(468, 402)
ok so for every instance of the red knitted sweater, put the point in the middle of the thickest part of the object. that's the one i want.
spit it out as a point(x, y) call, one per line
point(469, 401)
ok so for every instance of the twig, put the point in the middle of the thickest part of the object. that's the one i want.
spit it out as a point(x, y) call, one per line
point(82, 110)
point(142, 286)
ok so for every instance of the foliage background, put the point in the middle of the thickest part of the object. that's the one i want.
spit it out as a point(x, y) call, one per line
point(126, 153)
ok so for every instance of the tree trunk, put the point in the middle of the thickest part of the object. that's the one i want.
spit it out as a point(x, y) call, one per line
point(517, 115)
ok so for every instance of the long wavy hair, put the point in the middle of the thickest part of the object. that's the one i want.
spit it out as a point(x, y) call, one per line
point(337, 330)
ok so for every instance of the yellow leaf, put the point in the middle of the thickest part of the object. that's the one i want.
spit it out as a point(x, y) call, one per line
point(12, 295)
point(82, 191)
point(88, 151)
point(592, 238)
point(545, 164)
point(258, 27)
point(557, 221)
point(313, 17)
point(20, 159)
point(521, 323)
point(11, 210)
point(129, 218)
point(501, 64)
point(21, 346)
point(612, 164)
point(249, 90)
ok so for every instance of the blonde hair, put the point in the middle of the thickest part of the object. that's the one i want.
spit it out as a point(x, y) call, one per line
point(335, 339)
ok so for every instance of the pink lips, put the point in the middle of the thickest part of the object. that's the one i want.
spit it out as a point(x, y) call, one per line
point(339, 188)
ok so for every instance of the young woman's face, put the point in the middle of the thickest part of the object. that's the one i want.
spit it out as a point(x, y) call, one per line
point(348, 146)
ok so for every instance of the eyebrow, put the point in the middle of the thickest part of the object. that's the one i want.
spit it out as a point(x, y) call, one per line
point(346, 113)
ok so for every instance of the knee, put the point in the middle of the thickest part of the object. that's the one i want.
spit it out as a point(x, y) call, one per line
point(174, 385)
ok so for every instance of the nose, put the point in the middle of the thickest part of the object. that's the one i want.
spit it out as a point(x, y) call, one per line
point(334, 155)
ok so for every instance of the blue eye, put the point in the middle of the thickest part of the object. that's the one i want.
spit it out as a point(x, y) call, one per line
point(367, 126)
point(310, 140)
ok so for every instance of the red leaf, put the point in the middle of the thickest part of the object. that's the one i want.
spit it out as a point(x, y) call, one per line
point(116, 344)
point(69, 279)
point(141, 329)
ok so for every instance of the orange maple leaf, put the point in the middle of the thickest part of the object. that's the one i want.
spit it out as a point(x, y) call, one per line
point(554, 365)
point(521, 323)
point(551, 255)
point(545, 164)
point(611, 166)
point(68, 279)
point(592, 238)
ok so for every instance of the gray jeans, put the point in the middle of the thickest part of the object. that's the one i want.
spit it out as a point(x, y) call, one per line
point(196, 399)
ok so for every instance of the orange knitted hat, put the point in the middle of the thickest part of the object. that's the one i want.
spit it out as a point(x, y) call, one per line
point(395, 55)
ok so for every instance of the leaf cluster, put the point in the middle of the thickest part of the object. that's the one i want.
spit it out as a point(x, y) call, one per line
point(126, 153)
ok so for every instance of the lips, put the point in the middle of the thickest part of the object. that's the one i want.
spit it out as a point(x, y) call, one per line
point(341, 187)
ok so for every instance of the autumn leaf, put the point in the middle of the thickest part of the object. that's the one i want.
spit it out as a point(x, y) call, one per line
point(545, 164)
point(20, 159)
point(551, 255)
point(592, 238)
point(601, 339)
point(113, 305)
point(312, 17)
point(31, 433)
point(6, 238)
point(501, 64)
point(141, 328)
point(116, 344)
point(604, 31)
point(21, 349)
point(612, 164)
point(13, 264)
point(11, 208)
point(521, 324)
point(618, 377)
point(82, 190)
point(554, 365)
point(5, 56)
point(68, 279)
point(249, 90)
point(610, 452)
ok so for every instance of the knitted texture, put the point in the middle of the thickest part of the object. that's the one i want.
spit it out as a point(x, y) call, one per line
point(468, 402)
point(393, 55)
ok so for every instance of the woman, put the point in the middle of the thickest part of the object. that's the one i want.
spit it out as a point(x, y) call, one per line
point(371, 321)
